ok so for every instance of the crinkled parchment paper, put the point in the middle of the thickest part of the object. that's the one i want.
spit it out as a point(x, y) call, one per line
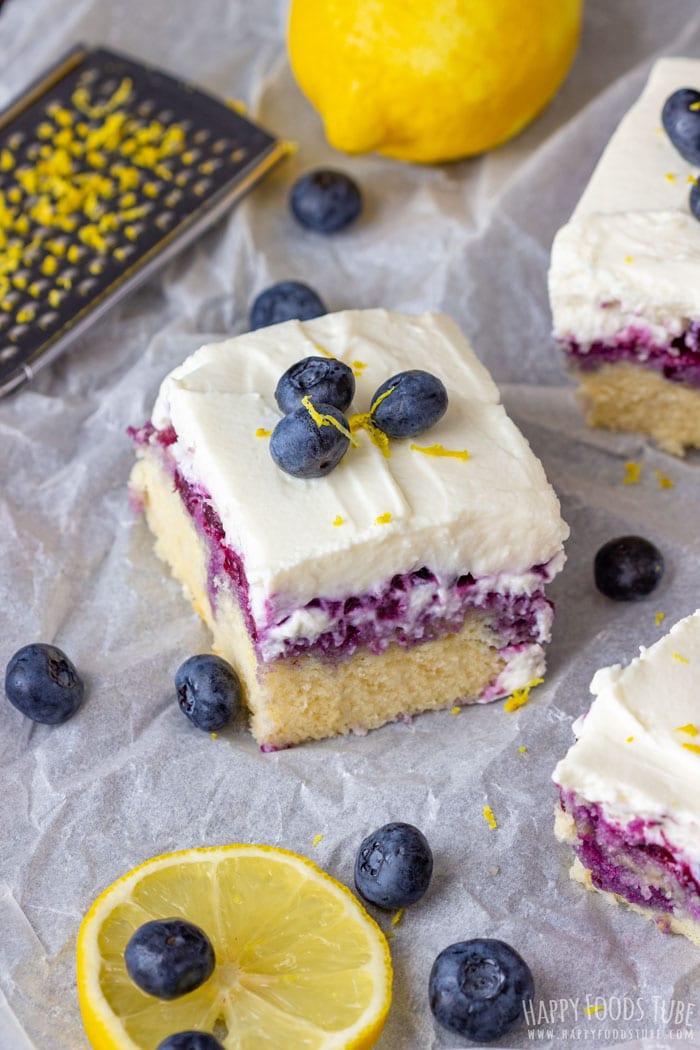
point(129, 777)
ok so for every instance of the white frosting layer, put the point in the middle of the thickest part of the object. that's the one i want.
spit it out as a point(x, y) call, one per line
point(630, 754)
point(630, 254)
point(492, 513)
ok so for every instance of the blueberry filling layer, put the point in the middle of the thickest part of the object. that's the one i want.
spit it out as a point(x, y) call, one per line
point(678, 361)
point(406, 609)
point(635, 860)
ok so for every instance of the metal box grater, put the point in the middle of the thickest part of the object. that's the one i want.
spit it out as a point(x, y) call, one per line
point(107, 169)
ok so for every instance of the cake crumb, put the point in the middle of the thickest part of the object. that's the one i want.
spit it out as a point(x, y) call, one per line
point(495, 870)
point(664, 481)
point(489, 817)
point(316, 840)
point(680, 659)
point(519, 697)
point(659, 618)
point(632, 473)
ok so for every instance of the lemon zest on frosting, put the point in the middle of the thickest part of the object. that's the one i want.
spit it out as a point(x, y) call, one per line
point(632, 473)
point(629, 259)
point(689, 728)
point(338, 520)
point(519, 697)
point(695, 748)
point(383, 519)
point(440, 450)
point(629, 739)
point(681, 659)
point(358, 367)
point(364, 421)
point(322, 350)
point(262, 432)
point(489, 817)
point(670, 176)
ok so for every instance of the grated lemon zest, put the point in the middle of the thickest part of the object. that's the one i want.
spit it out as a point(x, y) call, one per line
point(440, 450)
point(695, 748)
point(664, 481)
point(316, 840)
point(659, 618)
point(338, 520)
point(632, 473)
point(681, 659)
point(489, 817)
point(383, 519)
point(689, 728)
point(322, 419)
point(519, 697)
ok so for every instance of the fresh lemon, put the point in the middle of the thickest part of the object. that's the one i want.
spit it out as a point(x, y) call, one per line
point(430, 80)
point(299, 963)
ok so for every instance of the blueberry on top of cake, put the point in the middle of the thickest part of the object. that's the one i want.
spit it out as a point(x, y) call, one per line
point(630, 785)
point(410, 576)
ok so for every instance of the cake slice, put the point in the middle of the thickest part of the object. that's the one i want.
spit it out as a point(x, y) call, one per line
point(624, 280)
point(630, 785)
point(394, 584)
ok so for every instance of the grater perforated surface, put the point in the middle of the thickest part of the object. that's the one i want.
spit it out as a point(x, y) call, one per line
point(107, 167)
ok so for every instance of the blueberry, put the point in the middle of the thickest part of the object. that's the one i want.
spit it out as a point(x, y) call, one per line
point(323, 378)
point(42, 683)
point(695, 199)
point(302, 447)
point(393, 866)
point(627, 568)
point(478, 989)
point(208, 691)
point(285, 301)
point(416, 401)
point(325, 200)
point(190, 1041)
point(682, 123)
point(169, 958)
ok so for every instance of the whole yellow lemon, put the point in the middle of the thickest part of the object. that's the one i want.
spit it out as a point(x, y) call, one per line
point(430, 80)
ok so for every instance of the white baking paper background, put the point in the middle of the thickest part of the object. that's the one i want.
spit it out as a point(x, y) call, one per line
point(128, 777)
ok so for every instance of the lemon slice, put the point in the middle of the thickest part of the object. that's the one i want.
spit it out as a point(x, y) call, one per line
point(299, 963)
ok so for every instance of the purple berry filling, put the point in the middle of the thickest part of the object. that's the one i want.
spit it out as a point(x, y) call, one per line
point(635, 861)
point(678, 361)
point(406, 609)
